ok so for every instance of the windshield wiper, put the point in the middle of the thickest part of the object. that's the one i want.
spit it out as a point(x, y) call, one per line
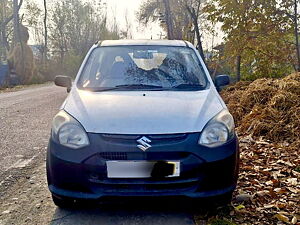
point(139, 86)
point(147, 87)
point(125, 87)
point(189, 86)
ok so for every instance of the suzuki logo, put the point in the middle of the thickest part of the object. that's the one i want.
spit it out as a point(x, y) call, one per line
point(144, 143)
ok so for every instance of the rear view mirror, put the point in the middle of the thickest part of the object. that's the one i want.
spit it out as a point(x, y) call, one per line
point(63, 81)
point(221, 80)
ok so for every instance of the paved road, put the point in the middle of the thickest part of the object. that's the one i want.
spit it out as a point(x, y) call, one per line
point(25, 120)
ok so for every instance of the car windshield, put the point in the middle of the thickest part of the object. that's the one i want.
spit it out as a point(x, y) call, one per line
point(143, 68)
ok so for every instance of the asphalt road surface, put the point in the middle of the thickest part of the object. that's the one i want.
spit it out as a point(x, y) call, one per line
point(25, 121)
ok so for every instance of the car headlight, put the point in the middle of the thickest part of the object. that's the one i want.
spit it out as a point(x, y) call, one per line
point(218, 130)
point(68, 132)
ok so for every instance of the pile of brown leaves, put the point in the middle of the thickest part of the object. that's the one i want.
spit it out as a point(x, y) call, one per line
point(267, 108)
point(267, 114)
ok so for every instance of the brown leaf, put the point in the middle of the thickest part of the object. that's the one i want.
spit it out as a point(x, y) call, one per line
point(281, 205)
point(269, 206)
point(262, 193)
point(294, 220)
point(281, 217)
point(292, 181)
point(294, 190)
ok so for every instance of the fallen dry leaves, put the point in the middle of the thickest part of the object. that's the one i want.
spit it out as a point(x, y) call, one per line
point(268, 189)
point(270, 174)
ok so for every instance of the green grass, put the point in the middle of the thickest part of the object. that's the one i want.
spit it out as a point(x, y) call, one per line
point(220, 222)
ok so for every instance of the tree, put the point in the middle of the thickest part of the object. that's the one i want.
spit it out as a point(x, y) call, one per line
point(127, 33)
point(180, 18)
point(70, 41)
point(5, 10)
point(17, 32)
point(7, 14)
point(297, 32)
point(290, 9)
point(257, 36)
point(46, 31)
point(193, 9)
point(33, 18)
point(169, 22)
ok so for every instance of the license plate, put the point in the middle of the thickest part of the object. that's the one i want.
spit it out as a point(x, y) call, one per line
point(139, 169)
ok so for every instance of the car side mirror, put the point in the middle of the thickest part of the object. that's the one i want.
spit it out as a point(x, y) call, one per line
point(63, 81)
point(221, 80)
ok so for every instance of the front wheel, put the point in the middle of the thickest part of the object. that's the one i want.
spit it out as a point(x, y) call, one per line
point(221, 200)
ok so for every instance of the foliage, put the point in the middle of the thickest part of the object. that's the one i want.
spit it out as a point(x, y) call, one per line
point(258, 31)
point(180, 18)
point(73, 27)
point(33, 20)
point(261, 33)
point(5, 29)
point(72, 63)
point(70, 41)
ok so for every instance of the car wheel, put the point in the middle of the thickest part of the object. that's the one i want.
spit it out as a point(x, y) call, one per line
point(227, 198)
point(63, 202)
point(222, 200)
point(212, 203)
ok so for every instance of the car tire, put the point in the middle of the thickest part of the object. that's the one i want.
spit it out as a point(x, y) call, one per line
point(222, 200)
point(227, 198)
point(212, 203)
point(63, 202)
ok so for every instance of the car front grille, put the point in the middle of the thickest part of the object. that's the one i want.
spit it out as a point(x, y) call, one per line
point(113, 155)
point(154, 136)
point(137, 185)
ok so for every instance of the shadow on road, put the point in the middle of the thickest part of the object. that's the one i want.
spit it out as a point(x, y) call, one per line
point(129, 211)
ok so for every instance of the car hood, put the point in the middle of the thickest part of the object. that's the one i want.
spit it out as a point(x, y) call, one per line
point(143, 112)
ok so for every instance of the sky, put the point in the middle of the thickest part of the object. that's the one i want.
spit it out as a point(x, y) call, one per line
point(121, 7)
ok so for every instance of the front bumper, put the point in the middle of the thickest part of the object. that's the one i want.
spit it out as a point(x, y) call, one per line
point(82, 173)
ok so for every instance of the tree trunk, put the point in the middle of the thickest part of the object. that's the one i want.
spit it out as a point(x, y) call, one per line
point(46, 32)
point(169, 21)
point(297, 35)
point(197, 31)
point(17, 33)
point(238, 68)
point(4, 24)
point(16, 22)
point(4, 41)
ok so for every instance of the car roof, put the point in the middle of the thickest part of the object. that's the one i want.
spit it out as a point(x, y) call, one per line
point(145, 42)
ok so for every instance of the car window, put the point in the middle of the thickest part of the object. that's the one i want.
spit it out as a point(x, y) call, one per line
point(150, 66)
